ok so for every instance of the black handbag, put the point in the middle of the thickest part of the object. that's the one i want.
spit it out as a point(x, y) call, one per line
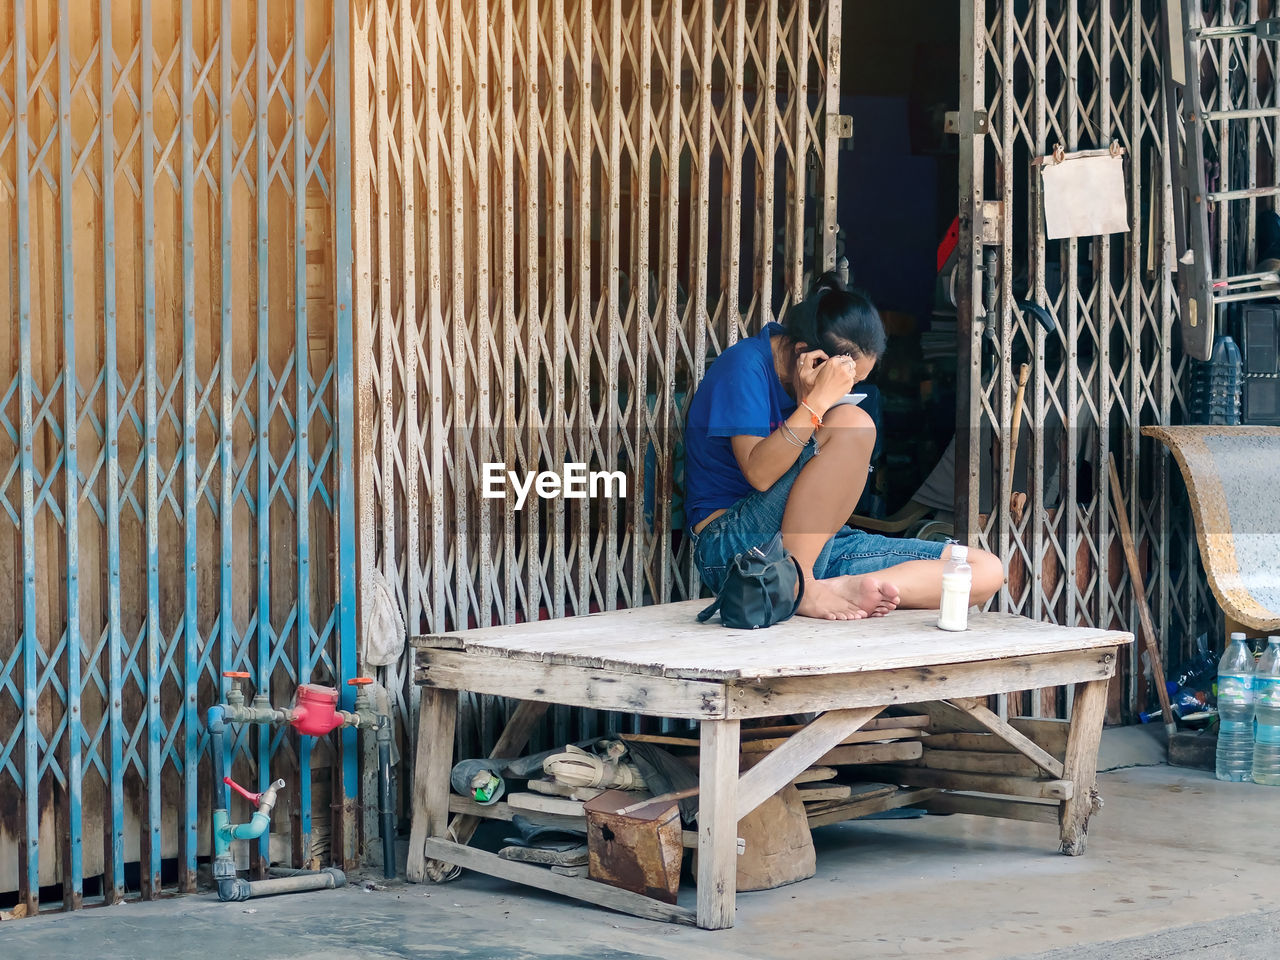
point(762, 587)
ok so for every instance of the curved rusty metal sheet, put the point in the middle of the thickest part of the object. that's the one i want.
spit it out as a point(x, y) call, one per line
point(1230, 476)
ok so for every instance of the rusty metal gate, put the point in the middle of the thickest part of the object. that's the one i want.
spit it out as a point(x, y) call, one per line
point(564, 211)
point(1082, 74)
point(176, 451)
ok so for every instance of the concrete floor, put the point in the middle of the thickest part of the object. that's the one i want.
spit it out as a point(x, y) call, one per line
point(1178, 866)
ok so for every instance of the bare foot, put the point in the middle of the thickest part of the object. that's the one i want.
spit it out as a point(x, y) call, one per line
point(873, 597)
point(823, 602)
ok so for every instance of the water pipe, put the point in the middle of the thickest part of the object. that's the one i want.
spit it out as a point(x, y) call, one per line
point(224, 831)
point(313, 713)
point(215, 723)
point(327, 879)
point(387, 825)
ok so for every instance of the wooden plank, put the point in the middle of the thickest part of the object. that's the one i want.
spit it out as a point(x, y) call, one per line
point(665, 639)
point(873, 753)
point(888, 800)
point(972, 761)
point(437, 717)
point(540, 803)
point(837, 791)
point(802, 694)
point(983, 742)
point(859, 793)
point(503, 811)
point(861, 736)
point(1034, 811)
point(893, 724)
point(602, 895)
point(574, 686)
point(815, 775)
point(659, 739)
point(975, 782)
point(717, 824)
point(1015, 738)
point(777, 769)
point(1080, 767)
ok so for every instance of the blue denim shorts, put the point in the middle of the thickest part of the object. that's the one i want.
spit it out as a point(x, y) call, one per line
point(755, 519)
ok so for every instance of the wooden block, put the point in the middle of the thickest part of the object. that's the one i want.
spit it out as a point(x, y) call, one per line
point(569, 871)
point(776, 844)
point(873, 753)
point(538, 803)
point(1193, 748)
point(835, 791)
point(975, 782)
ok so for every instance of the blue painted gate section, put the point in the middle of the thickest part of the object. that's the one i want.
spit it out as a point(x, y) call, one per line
point(176, 427)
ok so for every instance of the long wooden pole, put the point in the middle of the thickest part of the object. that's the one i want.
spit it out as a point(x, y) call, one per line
point(1140, 597)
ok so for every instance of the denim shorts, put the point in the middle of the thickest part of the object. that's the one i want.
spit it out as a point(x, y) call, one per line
point(755, 519)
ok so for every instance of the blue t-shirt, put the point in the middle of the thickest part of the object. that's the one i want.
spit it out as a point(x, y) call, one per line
point(740, 395)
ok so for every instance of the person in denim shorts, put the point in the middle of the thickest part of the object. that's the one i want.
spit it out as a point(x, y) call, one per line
point(774, 443)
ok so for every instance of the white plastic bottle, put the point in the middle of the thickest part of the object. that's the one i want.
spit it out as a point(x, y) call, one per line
point(1266, 710)
point(957, 579)
point(1235, 711)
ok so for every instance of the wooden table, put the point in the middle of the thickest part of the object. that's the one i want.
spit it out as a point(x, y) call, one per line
point(657, 661)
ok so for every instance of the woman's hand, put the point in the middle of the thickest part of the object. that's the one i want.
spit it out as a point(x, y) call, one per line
point(823, 380)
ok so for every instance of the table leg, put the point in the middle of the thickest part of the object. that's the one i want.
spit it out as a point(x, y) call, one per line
point(437, 717)
point(718, 824)
point(1081, 766)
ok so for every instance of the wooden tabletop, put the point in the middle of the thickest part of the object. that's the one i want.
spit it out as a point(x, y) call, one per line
point(666, 640)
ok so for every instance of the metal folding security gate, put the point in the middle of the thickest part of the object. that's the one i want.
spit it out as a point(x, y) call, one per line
point(176, 402)
point(1083, 74)
point(565, 210)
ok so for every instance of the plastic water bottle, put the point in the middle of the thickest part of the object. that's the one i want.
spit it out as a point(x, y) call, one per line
point(1266, 708)
point(957, 580)
point(1215, 385)
point(1235, 711)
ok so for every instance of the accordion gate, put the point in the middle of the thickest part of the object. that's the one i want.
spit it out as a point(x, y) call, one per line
point(567, 208)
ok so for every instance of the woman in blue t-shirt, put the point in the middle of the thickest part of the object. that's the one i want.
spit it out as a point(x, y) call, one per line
point(774, 444)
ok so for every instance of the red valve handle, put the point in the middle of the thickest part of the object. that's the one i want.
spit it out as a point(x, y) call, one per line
point(251, 797)
point(236, 674)
point(359, 681)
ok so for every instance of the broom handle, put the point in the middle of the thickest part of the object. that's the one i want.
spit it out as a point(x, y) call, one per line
point(1140, 597)
point(1023, 372)
point(678, 795)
